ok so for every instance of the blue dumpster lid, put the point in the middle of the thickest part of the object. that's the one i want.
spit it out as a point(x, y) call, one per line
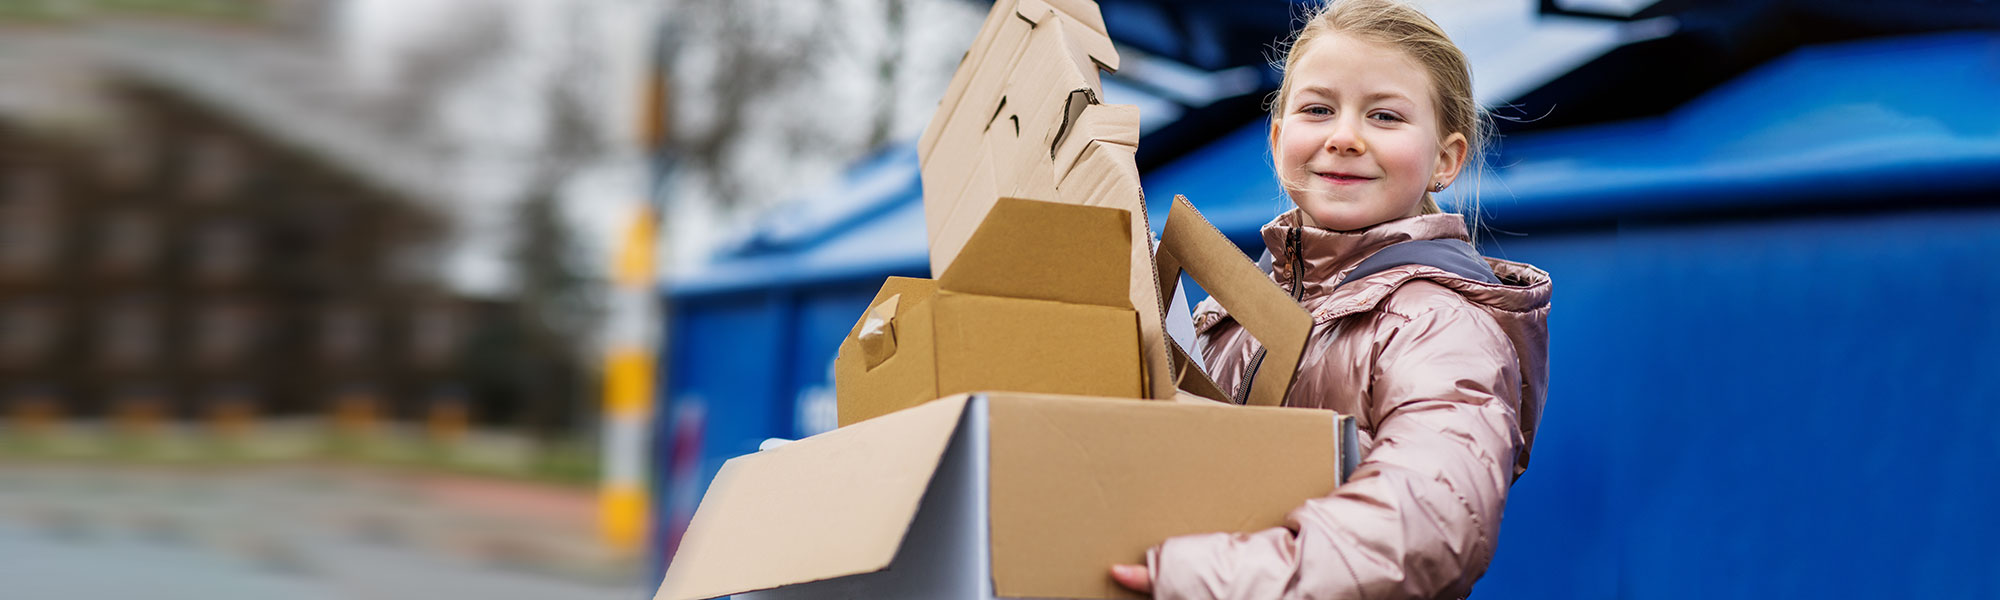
point(1853, 123)
point(869, 223)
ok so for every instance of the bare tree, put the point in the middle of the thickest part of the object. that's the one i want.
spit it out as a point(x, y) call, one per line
point(428, 71)
point(751, 61)
point(555, 304)
point(895, 21)
point(533, 350)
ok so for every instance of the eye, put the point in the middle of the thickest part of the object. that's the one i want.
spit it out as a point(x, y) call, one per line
point(1318, 110)
point(1386, 117)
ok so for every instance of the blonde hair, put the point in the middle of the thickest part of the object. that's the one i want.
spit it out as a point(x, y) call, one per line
point(1400, 26)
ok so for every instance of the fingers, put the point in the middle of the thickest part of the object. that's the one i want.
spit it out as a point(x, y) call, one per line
point(1133, 577)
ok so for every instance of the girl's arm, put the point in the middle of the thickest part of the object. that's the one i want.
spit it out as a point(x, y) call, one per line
point(1420, 517)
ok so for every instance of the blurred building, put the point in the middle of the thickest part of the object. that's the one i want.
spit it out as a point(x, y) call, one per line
point(208, 208)
point(190, 264)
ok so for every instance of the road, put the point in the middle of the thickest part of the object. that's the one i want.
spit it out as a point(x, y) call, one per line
point(310, 533)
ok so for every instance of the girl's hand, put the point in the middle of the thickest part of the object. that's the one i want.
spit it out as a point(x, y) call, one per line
point(1133, 577)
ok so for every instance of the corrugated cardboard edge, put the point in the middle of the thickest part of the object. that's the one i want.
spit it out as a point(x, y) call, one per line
point(1079, 484)
point(1192, 244)
point(1192, 379)
point(831, 505)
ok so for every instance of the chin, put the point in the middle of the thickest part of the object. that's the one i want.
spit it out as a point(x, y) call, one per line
point(1345, 215)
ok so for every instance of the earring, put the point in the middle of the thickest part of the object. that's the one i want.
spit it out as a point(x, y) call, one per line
point(1437, 187)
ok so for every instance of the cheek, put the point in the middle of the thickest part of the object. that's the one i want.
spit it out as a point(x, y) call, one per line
point(1414, 159)
point(1294, 149)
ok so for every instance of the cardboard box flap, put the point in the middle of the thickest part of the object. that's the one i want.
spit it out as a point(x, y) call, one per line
point(831, 505)
point(1019, 169)
point(910, 291)
point(1001, 140)
point(1106, 173)
point(1086, 23)
point(969, 67)
point(874, 378)
point(1077, 483)
point(1193, 380)
point(992, 56)
point(1189, 242)
point(1096, 124)
point(878, 332)
point(1047, 251)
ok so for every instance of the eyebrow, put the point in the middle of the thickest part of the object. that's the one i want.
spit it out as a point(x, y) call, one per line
point(1325, 91)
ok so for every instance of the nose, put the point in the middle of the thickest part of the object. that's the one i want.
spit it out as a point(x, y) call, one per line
point(1346, 137)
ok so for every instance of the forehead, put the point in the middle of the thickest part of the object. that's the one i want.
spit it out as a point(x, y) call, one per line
point(1344, 65)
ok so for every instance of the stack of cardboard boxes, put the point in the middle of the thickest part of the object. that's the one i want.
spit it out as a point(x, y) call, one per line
point(1023, 421)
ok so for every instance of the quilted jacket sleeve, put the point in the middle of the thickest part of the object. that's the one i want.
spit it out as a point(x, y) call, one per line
point(1420, 517)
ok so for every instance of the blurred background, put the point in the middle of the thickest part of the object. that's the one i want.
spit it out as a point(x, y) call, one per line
point(455, 298)
point(356, 298)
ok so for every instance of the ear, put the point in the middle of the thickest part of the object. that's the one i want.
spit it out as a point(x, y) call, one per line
point(1276, 163)
point(1451, 156)
point(1274, 134)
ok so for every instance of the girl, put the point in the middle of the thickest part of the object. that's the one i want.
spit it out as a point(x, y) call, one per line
point(1442, 360)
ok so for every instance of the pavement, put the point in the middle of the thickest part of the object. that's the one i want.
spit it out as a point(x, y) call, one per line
point(88, 531)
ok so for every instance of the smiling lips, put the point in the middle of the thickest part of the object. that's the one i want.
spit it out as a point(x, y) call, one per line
point(1343, 178)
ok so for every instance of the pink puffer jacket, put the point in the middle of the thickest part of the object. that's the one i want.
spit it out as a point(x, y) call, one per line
point(1445, 376)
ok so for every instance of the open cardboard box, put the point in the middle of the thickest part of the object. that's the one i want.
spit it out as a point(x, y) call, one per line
point(997, 495)
point(1022, 118)
point(1016, 495)
point(1192, 244)
point(1037, 302)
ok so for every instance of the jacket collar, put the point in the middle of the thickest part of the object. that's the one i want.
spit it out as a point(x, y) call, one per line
point(1325, 255)
point(1329, 255)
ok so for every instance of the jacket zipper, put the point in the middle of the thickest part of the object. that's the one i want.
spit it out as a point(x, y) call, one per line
point(1298, 293)
point(1298, 264)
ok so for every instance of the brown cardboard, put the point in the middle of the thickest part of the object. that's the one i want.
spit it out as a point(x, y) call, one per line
point(866, 390)
point(1074, 485)
point(997, 343)
point(1095, 162)
point(1046, 251)
point(1191, 243)
point(1096, 124)
point(836, 504)
point(1015, 121)
point(1015, 133)
point(1079, 485)
point(877, 332)
point(1193, 380)
point(995, 50)
point(1038, 302)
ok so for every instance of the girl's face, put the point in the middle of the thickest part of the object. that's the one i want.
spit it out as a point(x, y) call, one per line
point(1358, 141)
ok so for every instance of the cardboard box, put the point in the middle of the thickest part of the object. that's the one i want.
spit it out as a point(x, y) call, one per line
point(1192, 244)
point(1021, 118)
point(997, 496)
point(1037, 302)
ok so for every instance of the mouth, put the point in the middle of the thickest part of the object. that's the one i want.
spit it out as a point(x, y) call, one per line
point(1342, 178)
